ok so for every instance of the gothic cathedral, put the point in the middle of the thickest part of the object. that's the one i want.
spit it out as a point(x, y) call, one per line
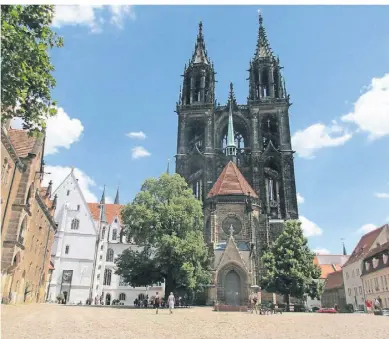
point(239, 161)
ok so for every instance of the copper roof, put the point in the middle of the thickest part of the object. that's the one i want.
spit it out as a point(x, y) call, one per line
point(111, 211)
point(21, 141)
point(334, 280)
point(231, 182)
point(364, 245)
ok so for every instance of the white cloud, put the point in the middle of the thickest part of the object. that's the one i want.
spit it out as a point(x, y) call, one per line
point(300, 198)
point(91, 15)
point(371, 110)
point(140, 152)
point(59, 173)
point(319, 250)
point(308, 141)
point(136, 135)
point(382, 195)
point(366, 228)
point(62, 131)
point(309, 228)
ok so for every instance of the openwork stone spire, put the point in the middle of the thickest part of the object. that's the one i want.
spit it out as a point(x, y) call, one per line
point(263, 48)
point(200, 52)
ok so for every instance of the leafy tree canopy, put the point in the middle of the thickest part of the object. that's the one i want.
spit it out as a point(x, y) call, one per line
point(289, 267)
point(166, 219)
point(26, 69)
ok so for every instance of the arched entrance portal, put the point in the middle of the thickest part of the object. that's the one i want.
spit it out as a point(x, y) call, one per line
point(108, 299)
point(232, 288)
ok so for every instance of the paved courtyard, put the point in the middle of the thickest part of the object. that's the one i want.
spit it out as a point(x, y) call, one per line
point(55, 321)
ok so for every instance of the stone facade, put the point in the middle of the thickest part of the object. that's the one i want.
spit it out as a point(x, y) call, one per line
point(27, 223)
point(256, 137)
point(261, 130)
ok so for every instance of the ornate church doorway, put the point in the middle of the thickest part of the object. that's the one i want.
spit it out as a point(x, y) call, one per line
point(232, 288)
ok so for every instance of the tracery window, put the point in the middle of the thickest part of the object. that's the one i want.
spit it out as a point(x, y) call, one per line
point(110, 254)
point(107, 277)
point(114, 234)
point(122, 296)
point(75, 224)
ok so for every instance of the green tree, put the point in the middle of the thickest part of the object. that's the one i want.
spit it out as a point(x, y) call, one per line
point(26, 69)
point(166, 219)
point(288, 265)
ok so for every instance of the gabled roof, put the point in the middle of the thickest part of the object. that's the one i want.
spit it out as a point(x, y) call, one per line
point(21, 141)
point(334, 280)
point(231, 254)
point(200, 52)
point(231, 182)
point(364, 245)
point(111, 211)
point(377, 250)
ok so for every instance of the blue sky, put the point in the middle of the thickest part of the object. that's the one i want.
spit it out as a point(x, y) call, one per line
point(119, 72)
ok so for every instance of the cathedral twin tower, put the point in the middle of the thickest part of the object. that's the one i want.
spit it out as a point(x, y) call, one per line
point(259, 130)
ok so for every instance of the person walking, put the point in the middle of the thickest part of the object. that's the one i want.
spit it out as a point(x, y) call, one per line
point(157, 302)
point(171, 300)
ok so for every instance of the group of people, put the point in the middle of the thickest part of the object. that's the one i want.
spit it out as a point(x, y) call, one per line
point(171, 300)
point(373, 305)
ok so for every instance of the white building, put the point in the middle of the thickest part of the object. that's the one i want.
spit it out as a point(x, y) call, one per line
point(74, 247)
point(352, 269)
point(108, 286)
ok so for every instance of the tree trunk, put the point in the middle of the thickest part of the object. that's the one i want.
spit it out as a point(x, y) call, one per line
point(288, 302)
point(169, 286)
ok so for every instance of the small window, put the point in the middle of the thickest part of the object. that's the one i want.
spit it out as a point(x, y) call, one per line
point(122, 296)
point(78, 207)
point(101, 247)
point(103, 233)
point(114, 234)
point(98, 276)
point(67, 249)
point(116, 220)
point(101, 257)
point(68, 193)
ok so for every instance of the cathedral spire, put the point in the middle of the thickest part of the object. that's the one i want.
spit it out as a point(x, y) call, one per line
point(263, 48)
point(231, 147)
point(102, 207)
point(117, 200)
point(200, 52)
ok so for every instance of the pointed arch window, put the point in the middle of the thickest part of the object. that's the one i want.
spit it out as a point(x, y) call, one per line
point(114, 234)
point(75, 224)
point(107, 277)
point(110, 254)
point(122, 296)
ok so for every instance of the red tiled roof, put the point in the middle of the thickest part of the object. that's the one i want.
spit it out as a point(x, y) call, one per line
point(231, 182)
point(21, 141)
point(364, 245)
point(111, 211)
point(334, 280)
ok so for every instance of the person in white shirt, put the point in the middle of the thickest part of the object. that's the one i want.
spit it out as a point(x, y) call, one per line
point(171, 300)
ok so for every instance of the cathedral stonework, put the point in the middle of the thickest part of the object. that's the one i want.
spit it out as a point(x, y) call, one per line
point(238, 160)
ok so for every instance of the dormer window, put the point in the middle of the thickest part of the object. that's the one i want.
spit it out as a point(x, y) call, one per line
point(367, 266)
point(375, 262)
point(385, 258)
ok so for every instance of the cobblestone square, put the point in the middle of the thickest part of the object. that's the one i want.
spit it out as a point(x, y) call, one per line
point(54, 321)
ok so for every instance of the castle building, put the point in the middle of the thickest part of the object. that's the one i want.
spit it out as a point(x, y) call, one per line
point(74, 248)
point(238, 159)
point(108, 286)
point(27, 224)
